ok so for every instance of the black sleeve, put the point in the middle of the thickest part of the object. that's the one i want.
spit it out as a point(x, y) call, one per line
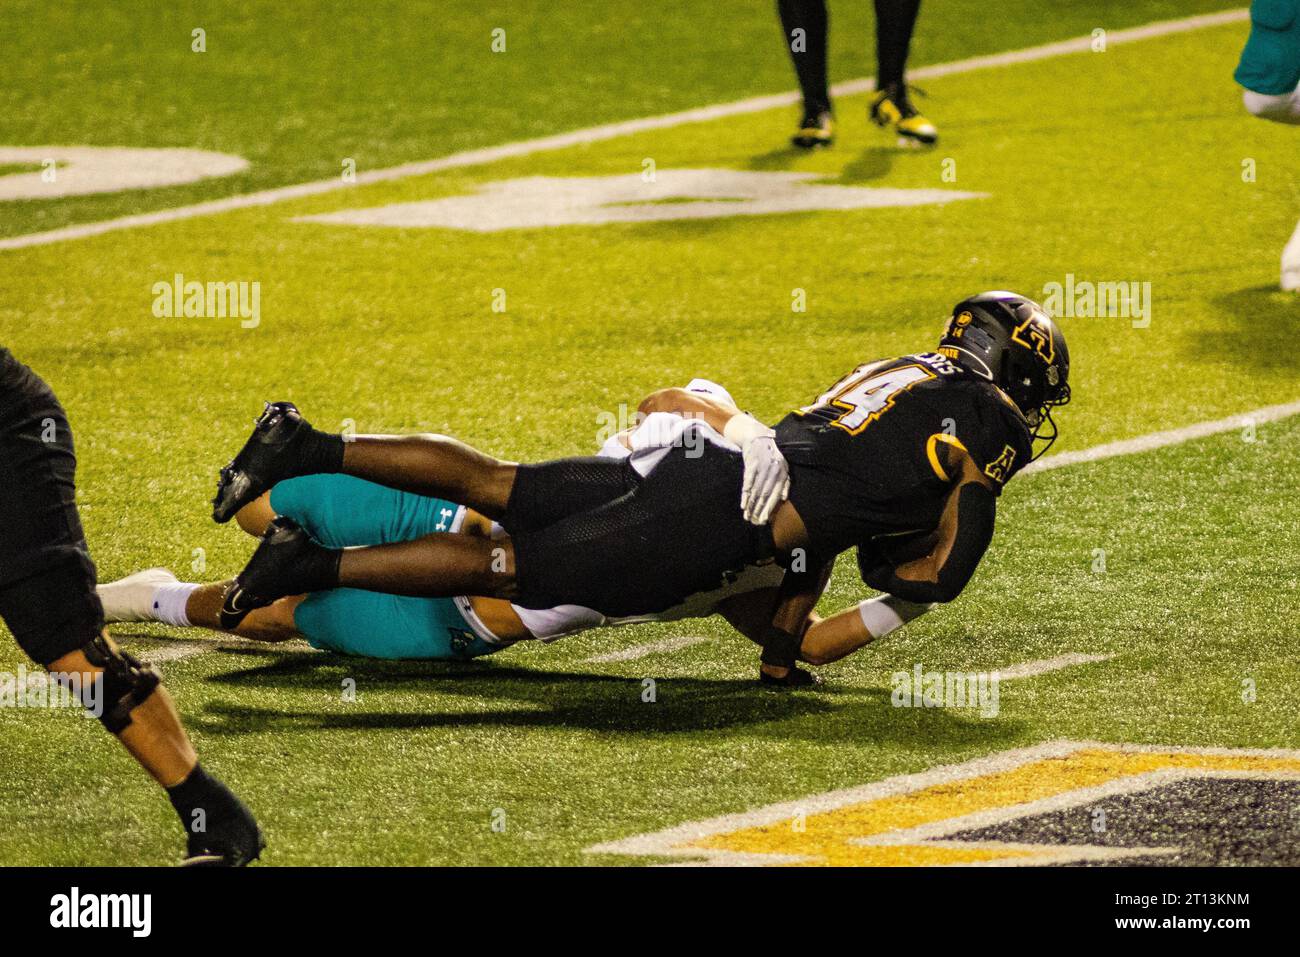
point(976, 510)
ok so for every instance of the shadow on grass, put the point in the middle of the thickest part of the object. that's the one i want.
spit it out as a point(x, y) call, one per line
point(1261, 323)
point(509, 696)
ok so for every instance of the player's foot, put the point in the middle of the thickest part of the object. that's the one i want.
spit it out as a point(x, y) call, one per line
point(893, 107)
point(288, 561)
point(816, 129)
point(793, 678)
point(230, 835)
point(131, 598)
point(1291, 265)
point(266, 458)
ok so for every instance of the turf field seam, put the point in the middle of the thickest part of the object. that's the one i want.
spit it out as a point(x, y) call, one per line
point(608, 131)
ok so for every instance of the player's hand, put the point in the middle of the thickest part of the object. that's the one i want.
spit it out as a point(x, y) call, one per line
point(767, 478)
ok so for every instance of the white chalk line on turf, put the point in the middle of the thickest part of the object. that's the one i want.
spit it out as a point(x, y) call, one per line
point(174, 653)
point(1157, 440)
point(608, 131)
point(633, 652)
point(1032, 669)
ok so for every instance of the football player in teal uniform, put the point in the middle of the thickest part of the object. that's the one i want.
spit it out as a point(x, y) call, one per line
point(1270, 72)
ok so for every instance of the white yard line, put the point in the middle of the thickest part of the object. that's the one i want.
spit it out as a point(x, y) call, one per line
point(182, 650)
point(1032, 669)
point(634, 652)
point(1157, 440)
point(607, 131)
point(176, 652)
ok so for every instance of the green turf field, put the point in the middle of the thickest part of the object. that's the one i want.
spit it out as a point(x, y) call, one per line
point(1123, 165)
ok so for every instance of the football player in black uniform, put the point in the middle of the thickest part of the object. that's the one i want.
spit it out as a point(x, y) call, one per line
point(48, 600)
point(914, 449)
point(805, 23)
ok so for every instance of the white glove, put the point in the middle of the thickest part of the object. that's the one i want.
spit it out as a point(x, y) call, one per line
point(767, 475)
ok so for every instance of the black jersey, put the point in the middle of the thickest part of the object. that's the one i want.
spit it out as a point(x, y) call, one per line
point(864, 457)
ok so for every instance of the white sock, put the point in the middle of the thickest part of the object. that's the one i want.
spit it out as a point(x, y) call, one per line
point(885, 613)
point(169, 603)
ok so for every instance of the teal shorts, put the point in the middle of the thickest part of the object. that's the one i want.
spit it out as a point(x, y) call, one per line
point(1270, 63)
point(338, 511)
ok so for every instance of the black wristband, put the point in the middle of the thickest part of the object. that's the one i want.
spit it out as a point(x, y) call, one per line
point(781, 649)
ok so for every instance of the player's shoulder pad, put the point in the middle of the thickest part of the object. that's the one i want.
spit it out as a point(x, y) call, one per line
point(1006, 443)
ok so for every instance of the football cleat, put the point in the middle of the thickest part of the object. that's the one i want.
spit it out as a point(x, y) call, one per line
point(265, 459)
point(287, 561)
point(1291, 264)
point(893, 107)
point(230, 838)
point(131, 598)
point(794, 678)
point(817, 129)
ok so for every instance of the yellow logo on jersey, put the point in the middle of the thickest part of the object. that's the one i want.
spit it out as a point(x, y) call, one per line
point(1000, 467)
point(1000, 809)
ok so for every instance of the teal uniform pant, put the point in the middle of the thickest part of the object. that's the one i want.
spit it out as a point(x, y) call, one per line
point(338, 511)
point(1270, 63)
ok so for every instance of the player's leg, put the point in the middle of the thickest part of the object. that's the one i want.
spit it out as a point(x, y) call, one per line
point(1269, 71)
point(47, 598)
point(806, 26)
point(284, 446)
point(892, 106)
point(156, 595)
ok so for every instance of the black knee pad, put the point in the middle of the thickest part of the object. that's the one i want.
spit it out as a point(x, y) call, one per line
point(126, 683)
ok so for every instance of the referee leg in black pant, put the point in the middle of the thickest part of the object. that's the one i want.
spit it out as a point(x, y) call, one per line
point(806, 23)
point(48, 601)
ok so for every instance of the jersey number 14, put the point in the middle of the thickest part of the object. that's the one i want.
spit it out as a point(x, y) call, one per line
point(861, 397)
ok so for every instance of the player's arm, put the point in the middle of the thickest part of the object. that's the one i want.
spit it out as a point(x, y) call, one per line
point(691, 405)
point(824, 639)
point(790, 615)
point(964, 533)
point(767, 476)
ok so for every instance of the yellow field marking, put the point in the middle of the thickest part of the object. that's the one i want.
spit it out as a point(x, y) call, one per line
point(878, 827)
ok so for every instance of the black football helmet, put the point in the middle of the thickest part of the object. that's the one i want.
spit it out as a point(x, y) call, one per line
point(1012, 341)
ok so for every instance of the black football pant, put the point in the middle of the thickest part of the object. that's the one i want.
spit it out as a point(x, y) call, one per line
point(47, 579)
point(895, 20)
point(596, 533)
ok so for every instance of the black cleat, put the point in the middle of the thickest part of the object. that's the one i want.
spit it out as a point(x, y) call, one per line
point(794, 678)
point(816, 129)
point(893, 107)
point(230, 836)
point(266, 458)
point(288, 561)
